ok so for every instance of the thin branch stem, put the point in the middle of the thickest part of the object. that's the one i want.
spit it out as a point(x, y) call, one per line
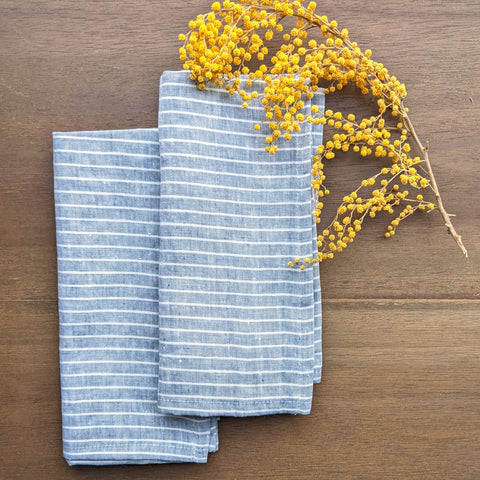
point(441, 208)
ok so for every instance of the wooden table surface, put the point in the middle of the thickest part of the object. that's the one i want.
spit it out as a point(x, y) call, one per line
point(400, 392)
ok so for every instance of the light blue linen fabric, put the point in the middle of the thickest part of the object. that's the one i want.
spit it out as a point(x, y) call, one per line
point(240, 331)
point(106, 202)
point(191, 249)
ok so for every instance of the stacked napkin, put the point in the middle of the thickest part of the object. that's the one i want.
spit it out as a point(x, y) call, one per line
point(176, 303)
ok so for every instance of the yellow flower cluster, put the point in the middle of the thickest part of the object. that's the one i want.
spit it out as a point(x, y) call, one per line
point(384, 191)
point(222, 45)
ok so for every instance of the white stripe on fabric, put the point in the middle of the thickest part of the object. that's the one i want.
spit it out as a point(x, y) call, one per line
point(108, 349)
point(110, 310)
point(237, 359)
point(237, 372)
point(109, 400)
point(111, 324)
point(229, 280)
point(240, 229)
point(232, 215)
point(93, 152)
point(213, 240)
point(109, 374)
point(225, 332)
point(193, 114)
point(136, 337)
point(243, 307)
point(236, 319)
point(107, 260)
point(107, 285)
point(239, 294)
point(178, 126)
point(109, 247)
point(102, 139)
point(192, 85)
point(208, 102)
point(226, 267)
point(109, 220)
point(87, 299)
point(233, 345)
point(114, 194)
point(109, 167)
point(107, 207)
point(116, 180)
point(244, 202)
point(228, 187)
point(106, 272)
point(252, 163)
point(217, 254)
point(280, 384)
point(228, 145)
point(112, 234)
point(106, 362)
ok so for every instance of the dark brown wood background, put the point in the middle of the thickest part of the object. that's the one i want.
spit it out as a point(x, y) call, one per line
point(400, 392)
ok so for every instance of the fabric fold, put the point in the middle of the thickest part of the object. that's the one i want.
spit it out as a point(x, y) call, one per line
point(240, 331)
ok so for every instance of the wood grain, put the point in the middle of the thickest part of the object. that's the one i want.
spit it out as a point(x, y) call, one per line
point(400, 392)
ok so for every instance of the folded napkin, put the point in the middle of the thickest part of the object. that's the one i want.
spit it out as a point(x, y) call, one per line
point(106, 203)
point(176, 303)
point(237, 325)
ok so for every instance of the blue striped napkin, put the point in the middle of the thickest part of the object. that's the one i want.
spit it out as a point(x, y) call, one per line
point(240, 331)
point(176, 304)
point(107, 215)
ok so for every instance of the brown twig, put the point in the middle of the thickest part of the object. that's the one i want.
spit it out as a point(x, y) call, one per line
point(441, 208)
